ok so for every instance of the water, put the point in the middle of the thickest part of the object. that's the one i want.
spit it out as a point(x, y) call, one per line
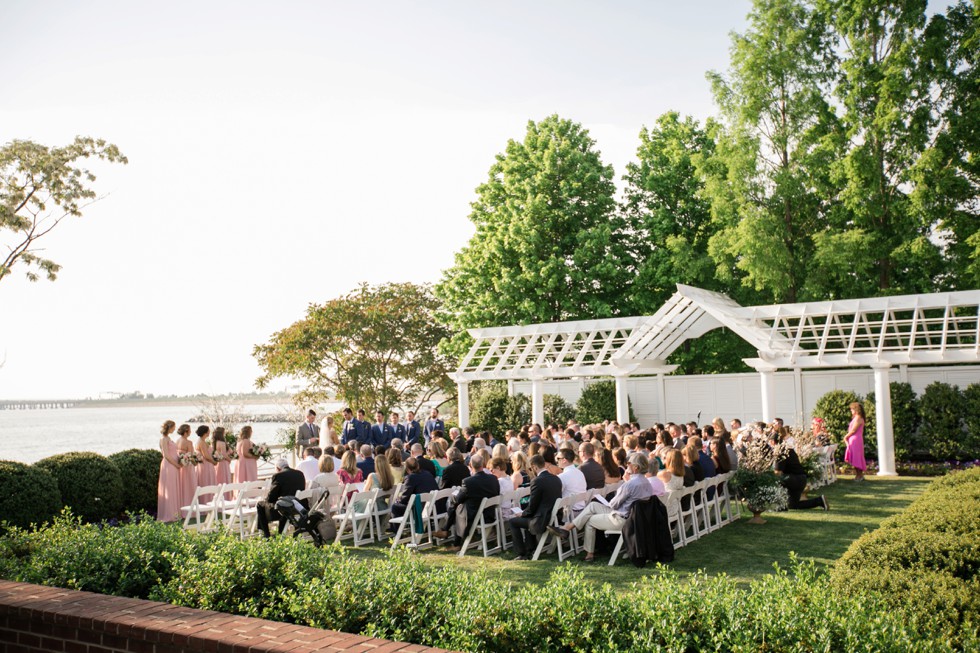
point(30, 435)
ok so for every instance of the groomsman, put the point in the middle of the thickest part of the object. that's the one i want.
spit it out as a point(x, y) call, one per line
point(412, 429)
point(349, 430)
point(397, 428)
point(363, 427)
point(434, 423)
point(381, 433)
point(308, 433)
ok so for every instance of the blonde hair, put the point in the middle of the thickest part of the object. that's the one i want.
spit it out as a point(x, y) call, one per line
point(168, 427)
point(326, 464)
point(349, 463)
point(383, 470)
point(246, 433)
point(520, 462)
point(674, 463)
point(437, 448)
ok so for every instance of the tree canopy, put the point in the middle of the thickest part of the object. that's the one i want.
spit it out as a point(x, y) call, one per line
point(375, 347)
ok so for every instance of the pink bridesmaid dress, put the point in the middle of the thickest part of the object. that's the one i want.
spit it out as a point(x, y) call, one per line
point(188, 482)
point(854, 454)
point(223, 468)
point(247, 469)
point(168, 489)
point(206, 474)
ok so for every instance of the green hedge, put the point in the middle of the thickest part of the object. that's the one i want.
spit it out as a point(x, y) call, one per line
point(598, 403)
point(929, 552)
point(140, 473)
point(399, 596)
point(28, 495)
point(90, 484)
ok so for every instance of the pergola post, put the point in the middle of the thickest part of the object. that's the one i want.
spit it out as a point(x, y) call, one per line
point(537, 401)
point(463, 403)
point(662, 396)
point(883, 421)
point(622, 399)
point(767, 377)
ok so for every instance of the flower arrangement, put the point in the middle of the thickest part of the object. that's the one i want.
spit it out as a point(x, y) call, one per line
point(232, 454)
point(768, 498)
point(261, 451)
point(756, 483)
point(187, 458)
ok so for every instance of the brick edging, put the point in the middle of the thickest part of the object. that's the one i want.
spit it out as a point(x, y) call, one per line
point(35, 618)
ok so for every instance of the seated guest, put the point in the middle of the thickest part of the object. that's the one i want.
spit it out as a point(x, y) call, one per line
point(719, 456)
point(381, 479)
point(327, 477)
point(572, 478)
point(656, 485)
point(349, 473)
point(437, 454)
point(595, 477)
point(498, 467)
point(706, 463)
point(545, 490)
point(400, 447)
point(598, 516)
point(793, 476)
point(366, 464)
point(609, 467)
point(417, 481)
point(334, 452)
point(523, 473)
point(457, 470)
point(310, 466)
point(465, 502)
point(397, 463)
point(286, 482)
point(672, 475)
point(424, 462)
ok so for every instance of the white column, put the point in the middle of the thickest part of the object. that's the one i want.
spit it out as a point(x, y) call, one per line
point(883, 421)
point(463, 403)
point(537, 401)
point(622, 400)
point(798, 392)
point(662, 395)
point(767, 375)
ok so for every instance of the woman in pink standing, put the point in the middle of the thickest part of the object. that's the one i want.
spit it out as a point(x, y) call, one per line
point(206, 473)
point(222, 454)
point(188, 472)
point(247, 468)
point(854, 455)
point(168, 488)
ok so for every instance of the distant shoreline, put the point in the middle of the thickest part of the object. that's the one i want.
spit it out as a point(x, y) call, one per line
point(144, 402)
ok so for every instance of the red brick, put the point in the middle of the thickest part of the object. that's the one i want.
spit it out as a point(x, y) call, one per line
point(29, 640)
point(75, 647)
point(51, 644)
point(139, 646)
point(16, 648)
point(89, 636)
point(112, 641)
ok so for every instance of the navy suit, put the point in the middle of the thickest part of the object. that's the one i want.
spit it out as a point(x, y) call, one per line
point(412, 432)
point(381, 434)
point(433, 425)
point(349, 431)
point(363, 429)
point(397, 432)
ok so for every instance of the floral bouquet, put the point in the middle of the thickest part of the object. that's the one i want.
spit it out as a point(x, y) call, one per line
point(232, 454)
point(261, 451)
point(187, 458)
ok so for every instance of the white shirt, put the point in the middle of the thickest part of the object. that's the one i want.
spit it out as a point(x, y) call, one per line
point(310, 468)
point(573, 482)
point(658, 487)
point(506, 487)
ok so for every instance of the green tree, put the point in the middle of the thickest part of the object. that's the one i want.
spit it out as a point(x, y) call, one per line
point(549, 245)
point(375, 347)
point(598, 403)
point(778, 137)
point(39, 187)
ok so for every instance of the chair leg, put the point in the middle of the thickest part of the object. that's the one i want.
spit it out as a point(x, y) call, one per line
point(616, 552)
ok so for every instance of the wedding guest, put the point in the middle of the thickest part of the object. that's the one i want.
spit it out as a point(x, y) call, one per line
point(397, 463)
point(206, 473)
point(366, 463)
point(285, 482)
point(417, 481)
point(327, 477)
point(854, 454)
point(188, 473)
point(437, 454)
point(349, 472)
point(247, 465)
point(719, 456)
point(672, 474)
point(310, 466)
point(523, 473)
point(168, 486)
point(609, 467)
point(381, 479)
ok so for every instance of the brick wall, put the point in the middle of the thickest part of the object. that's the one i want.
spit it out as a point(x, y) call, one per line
point(35, 619)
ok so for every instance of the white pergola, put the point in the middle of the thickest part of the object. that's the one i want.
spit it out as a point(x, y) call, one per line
point(879, 332)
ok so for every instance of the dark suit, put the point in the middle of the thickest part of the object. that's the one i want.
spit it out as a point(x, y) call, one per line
point(284, 484)
point(545, 491)
point(417, 483)
point(381, 434)
point(349, 431)
point(453, 475)
point(467, 500)
point(367, 467)
point(412, 432)
point(426, 465)
point(433, 425)
point(306, 433)
point(363, 429)
point(397, 432)
point(595, 476)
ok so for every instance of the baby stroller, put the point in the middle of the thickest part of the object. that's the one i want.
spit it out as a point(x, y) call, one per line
point(314, 523)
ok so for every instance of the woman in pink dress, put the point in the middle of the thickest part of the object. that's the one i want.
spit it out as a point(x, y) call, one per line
point(206, 473)
point(222, 456)
point(188, 473)
point(854, 455)
point(247, 466)
point(168, 492)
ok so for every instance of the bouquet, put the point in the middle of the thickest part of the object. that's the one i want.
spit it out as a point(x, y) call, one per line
point(186, 458)
point(261, 451)
point(232, 454)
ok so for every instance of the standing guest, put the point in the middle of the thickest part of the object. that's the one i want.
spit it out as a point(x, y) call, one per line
point(188, 473)
point(310, 465)
point(793, 476)
point(328, 436)
point(455, 471)
point(206, 473)
point(350, 428)
point(434, 423)
point(396, 462)
point(366, 464)
point(381, 433)
point(286, 482)
point(854, 454)
point(223, 455)
point(412, 428)
point(545, 491)
point(168, 487)
point(397, 430)
point(247, 465)
point(308, 433)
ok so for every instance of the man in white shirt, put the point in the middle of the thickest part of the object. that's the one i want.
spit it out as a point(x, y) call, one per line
point(572, 479)
point(310, 466)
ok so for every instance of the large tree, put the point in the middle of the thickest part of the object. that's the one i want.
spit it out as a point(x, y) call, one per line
point(39, 187)
point(376, 348)
point(548, 244)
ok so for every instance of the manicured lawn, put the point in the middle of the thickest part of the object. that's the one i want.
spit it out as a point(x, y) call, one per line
point(741, 550)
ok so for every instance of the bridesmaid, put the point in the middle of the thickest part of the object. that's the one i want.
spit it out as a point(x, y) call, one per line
point(206, 473)
point(854, 455)
point(168, 492)
point(188, 473)
point(221, 453)
point(247, 468)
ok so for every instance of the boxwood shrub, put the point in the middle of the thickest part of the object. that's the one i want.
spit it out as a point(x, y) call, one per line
point(942, 410)
point(90, 484)
point(140, 472)
point(28, 495)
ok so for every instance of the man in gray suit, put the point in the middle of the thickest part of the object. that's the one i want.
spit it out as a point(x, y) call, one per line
point(308, 433)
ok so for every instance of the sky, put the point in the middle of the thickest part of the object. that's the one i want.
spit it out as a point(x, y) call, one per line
point(282, 153)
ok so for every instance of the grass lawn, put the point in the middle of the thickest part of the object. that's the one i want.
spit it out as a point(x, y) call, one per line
point(741, 550)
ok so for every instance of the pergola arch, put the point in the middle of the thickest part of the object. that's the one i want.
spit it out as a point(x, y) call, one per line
point(877, 332)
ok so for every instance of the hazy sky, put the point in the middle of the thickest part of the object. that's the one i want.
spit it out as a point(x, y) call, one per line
point(281, 153)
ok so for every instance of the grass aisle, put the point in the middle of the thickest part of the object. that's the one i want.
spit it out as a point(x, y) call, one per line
point(743, 551)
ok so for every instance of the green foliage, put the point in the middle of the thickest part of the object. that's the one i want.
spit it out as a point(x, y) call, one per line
point(971, 417)
point(140, 471)
point(28, 495)
point(833, 407)
point(39, 187)
point(90, 484)
point(375, 347)
point(905, 421)
point(941, 409)
point(557, 410)
point(598, 403)
point(930, 551)
point(494, 411)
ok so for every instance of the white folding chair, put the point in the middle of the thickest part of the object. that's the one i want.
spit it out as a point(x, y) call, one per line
point(830, 464)
point(712, 507)
point(245, 514)
point(688, 516)
point(358, 517)
point(225, 503)
point(673, 505)
point(435, 520)
point(488, 530)
point(202, 509)
point(407, 523)
point(700, 505)
point(562, 507)
point(383, 512)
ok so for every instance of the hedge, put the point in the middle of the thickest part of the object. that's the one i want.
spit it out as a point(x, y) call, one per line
point(90, 484)
point(401, 597)
point(598, 403)
point(28, 495)
point(140, 472)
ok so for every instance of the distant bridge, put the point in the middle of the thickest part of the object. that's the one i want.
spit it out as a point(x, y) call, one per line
point(40, 404)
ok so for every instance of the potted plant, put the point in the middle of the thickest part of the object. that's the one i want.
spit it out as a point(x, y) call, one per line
point(756, 483)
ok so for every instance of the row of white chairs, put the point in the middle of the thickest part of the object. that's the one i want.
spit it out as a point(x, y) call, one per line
point(227, 505)
point(828, 463)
